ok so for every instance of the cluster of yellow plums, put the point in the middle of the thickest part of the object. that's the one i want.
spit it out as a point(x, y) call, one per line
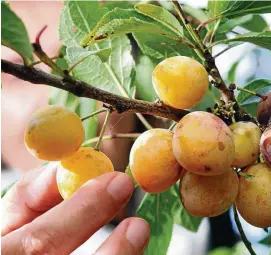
point(202, 152)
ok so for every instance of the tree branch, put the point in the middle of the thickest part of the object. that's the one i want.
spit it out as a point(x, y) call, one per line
point(81, 89)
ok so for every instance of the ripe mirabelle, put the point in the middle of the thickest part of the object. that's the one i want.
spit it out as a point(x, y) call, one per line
point(180, 82)
point(246, 136)
point(254, 196)
point(54, 133)
point(265, 146)
point(208, 196)
point(203, 144)
point(152, 161)
point(82, 166)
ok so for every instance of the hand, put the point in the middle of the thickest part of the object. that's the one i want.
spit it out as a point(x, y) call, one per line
point(45, 225)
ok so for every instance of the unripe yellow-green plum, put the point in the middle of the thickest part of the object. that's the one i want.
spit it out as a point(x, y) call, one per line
point(180, 82)
point(203, 144)
point(152, 162)
point(246, 136)
point(208, 196)
point(82, 166)
point(254, 197)
point(54, 133)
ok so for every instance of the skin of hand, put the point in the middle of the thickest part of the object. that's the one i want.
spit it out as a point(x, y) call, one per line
point(35, 220)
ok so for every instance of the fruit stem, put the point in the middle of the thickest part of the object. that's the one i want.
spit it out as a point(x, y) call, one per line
point(39, 61)
point(203, 24)
point(253, 93)
point(93, 114)
point(242, 233)
point(132, 136)
point(215, 30)
point(97, 147)
point(172, 126)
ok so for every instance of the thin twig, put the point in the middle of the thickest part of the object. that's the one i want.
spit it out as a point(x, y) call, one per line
point(93, 114)
point(172, 126)
point(97, 147)
point(214, 31)
point(223, 51)
point(119, 104)
point(132, 136)
point(253, 93)
point(39, 61)
point(203, 24)
point(242, 233)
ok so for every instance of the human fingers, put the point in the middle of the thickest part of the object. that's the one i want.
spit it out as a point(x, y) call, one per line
point(31, 196)
point(130, 237)
point(66, 226)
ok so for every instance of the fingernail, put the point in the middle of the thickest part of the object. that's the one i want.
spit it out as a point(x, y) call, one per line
point(138, 233)
point(121, 187)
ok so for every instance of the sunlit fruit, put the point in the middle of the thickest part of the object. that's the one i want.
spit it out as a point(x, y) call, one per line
point(152, 162)
point(254, 197)
point(82, 166)
point(203, 144)
point(54, 133)
point(180, 82)
point(265, 146)
point(246, 136)
point(208, 196)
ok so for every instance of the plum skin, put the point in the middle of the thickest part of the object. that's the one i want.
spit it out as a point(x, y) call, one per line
point(152, 161)
point(246, 136)
point(254, 196)
point(180, 82)
point(82, 166)
point(54, 133)
point(208, 196)
point(203, 144)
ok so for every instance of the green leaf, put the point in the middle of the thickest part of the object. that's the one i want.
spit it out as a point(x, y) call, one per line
point(103, 54)
point(143, 80)
point(256, 24)
point(124, 21)
point(262, 39)
point(182, 217)
point(161, 15)
point(230, 24)
point(161, 47)
point(85, 107)
point(221, 251)
point(6, 189)
point(251, 108)
point(255, 86)
point(232, 72)
point(237, 8)
point(14, 34)
point(117, 74)
point(266, 240)
point(85, 14)
point(157, 210)
point(68, 33)
point(129, 173)
point(196, 13)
